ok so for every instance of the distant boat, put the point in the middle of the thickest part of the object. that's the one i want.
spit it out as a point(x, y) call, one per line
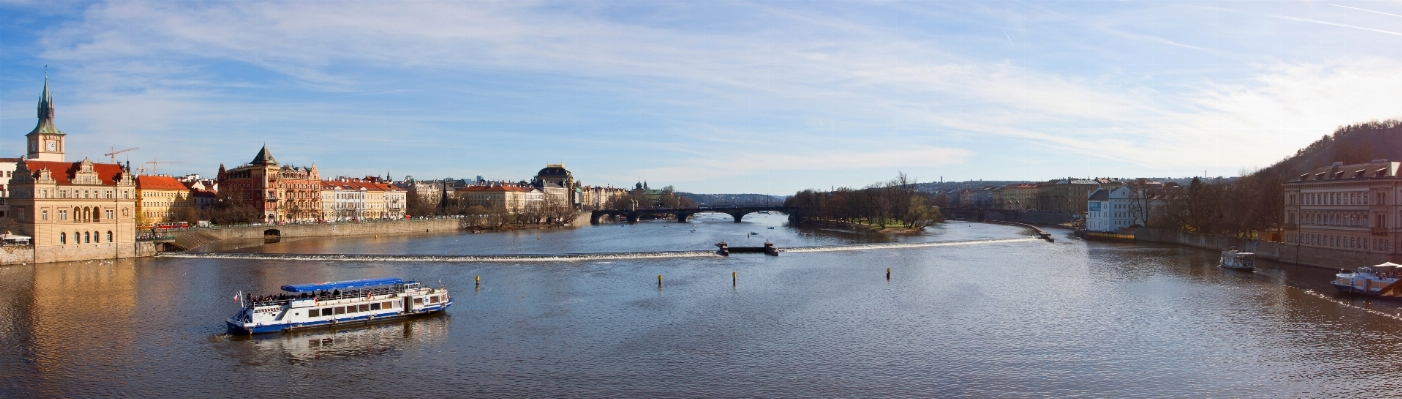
point(771, 228)
point(1237, 260)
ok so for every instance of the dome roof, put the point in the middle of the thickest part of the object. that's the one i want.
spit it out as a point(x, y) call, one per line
point(554, 170)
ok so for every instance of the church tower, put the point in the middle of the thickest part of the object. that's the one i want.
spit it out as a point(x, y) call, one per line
point(45, 141)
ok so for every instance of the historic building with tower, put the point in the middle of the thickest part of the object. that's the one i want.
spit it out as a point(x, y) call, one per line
point(73, 210)
point(279, 193)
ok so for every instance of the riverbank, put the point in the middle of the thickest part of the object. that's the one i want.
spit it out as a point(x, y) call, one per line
point(862, 227)
point(1323, 258)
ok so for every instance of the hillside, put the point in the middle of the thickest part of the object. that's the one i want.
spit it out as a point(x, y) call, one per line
point(1349, 144)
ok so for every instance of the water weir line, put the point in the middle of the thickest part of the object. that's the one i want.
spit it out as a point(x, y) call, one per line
point(569, 257)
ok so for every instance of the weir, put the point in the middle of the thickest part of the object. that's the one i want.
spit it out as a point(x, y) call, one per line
point(566, 257)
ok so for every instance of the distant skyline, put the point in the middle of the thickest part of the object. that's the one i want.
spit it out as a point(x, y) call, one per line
point(710, 97)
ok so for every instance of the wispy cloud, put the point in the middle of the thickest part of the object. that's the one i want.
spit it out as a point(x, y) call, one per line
point(1366, 10)
point(691, 94)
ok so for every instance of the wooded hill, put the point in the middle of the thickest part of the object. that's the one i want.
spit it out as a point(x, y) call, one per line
point(1253, 204)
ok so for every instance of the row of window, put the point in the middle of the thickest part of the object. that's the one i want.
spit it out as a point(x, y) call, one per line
point(336, 310)
point(1341, 198)
point(83, 214)
point(84, 237)
point(90, 194)
point(1335, 241)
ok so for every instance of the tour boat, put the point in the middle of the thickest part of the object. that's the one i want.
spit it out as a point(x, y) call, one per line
point(1376, 280)
point(340, 302)
point(1237, 260)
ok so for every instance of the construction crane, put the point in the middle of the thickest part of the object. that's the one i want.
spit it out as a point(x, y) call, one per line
point(115, 151)
point(154, 164)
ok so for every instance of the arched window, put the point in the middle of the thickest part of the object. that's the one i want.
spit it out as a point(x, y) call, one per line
point(78, 216)
point(109, 235)
point(96, 236)
point(87, 237)
point(95, 216)
point(62, 238)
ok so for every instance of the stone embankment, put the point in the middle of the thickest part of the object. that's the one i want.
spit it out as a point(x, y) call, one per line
point(197, 237)
point(1327, 258)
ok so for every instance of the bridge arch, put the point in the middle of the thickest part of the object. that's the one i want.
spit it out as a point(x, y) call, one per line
point(272, 235)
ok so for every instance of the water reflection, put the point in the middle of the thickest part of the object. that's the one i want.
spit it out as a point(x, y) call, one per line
point(385, 338)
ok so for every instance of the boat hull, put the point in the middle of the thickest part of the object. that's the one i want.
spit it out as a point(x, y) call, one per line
point(251, 328)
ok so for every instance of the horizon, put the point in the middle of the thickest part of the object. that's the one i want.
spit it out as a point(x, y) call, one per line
point(764, 98)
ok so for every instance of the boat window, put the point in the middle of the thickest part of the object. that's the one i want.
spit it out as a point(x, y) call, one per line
point(375, 306)
point(365, 308)
point(314, 313)
point(418, 301)
point(387, 305)
point(340, 310)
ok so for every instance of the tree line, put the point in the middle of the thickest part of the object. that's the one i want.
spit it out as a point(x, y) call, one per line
point(879, 204)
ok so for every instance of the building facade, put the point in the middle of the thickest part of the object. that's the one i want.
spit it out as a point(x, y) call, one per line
point(279, 193)
point(163, 199)
point(1109, 210)
point(1065, 195)
point(1346, 207)
point(73, 210)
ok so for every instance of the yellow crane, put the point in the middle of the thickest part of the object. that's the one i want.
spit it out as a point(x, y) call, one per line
point(115, 151)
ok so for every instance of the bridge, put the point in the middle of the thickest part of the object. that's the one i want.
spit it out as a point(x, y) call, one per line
point(683, 215)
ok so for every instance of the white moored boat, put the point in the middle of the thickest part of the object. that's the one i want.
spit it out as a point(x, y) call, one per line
point(1376, 280)
point(355, 301)
point(1237, 260)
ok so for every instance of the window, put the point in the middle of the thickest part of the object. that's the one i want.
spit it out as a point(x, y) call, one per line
point(314, 313)
point(418, 301)
point(340, 310)
point(387, 305)
point(87, 237)
point(109, 235)
point(62, 238)
point(44, 214)
point(365, 308)
point(375, 306)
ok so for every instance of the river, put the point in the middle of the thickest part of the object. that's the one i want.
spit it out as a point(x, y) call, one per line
point(992, 314)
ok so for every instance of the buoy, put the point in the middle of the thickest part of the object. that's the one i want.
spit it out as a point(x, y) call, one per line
point(659, 280)
point(478, 279)
point(888, 273)
point(732, 278)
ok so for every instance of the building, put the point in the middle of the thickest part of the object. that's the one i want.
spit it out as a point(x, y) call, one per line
point(1065, 195)
point(73, 210)
point(1346, 207)
point(163, 199)
point(1019, 197)
point(345, 199)
point(557, 185)
point(592, 197)
point(512, 198)
point(280, 193)
point(1110, 210)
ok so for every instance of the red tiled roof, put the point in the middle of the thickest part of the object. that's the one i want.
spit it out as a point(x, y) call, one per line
point(62, 172)
point(159, 183)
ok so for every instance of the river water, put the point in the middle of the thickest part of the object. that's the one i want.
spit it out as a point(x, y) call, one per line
point(993, 314)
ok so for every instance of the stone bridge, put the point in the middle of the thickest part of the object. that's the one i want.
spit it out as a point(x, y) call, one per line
point(682, 215)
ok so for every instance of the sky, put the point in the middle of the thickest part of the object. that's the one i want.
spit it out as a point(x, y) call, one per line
point(707, 96)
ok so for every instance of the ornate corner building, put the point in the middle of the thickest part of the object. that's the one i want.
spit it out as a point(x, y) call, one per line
point(280, 193)
point(74, 210)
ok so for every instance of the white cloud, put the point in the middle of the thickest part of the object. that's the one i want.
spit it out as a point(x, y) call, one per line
point(813, 79)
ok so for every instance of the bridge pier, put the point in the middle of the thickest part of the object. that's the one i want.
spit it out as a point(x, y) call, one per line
point(632, 217)
point(683, 217)
point(737, 215)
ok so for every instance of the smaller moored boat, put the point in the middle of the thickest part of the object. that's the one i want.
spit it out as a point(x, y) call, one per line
point(340, 302)
point(1237, 260)
point(1376, 280)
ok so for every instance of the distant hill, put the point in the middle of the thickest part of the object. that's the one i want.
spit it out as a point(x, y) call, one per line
point(733, 199)
point(1358, 143)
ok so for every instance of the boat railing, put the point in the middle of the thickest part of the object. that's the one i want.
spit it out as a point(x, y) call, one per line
point(284, 299)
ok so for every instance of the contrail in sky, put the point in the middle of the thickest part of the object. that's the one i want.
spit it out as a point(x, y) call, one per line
point(1334, 24)
point(1010, 38)
point(1366, 10)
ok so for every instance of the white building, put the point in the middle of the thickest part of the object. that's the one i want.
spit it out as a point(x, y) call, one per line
point(1110, 210)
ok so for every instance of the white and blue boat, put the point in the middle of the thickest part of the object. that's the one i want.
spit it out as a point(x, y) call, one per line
point(335, 303)
point(1377, 280)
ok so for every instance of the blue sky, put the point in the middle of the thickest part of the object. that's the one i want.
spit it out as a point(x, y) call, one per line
point(712, 97)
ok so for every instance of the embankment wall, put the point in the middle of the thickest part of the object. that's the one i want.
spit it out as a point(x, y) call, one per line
point(336, 229)
point(1318, 257)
